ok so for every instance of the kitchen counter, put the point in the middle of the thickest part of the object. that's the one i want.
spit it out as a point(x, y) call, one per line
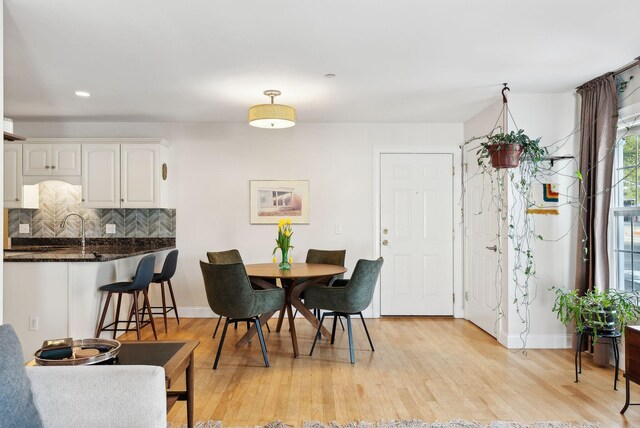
point(96, 250)
point(58, 295)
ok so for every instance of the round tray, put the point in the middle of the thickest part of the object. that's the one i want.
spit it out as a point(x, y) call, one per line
point(112, 345)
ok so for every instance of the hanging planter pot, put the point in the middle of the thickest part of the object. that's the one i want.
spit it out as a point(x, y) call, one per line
point(504, 155)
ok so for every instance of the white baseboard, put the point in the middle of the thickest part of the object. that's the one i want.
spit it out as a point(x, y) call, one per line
point(537, 341)
point(196, 312)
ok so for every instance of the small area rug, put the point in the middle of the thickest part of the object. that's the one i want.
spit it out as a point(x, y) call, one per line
point(411, 424)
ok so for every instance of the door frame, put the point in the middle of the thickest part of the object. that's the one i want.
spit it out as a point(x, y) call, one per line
point(456, 151)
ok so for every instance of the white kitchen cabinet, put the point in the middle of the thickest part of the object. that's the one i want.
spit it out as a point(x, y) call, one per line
point(101, 175)
point(140, 175)
point(56, 159)
point(124, 173)
point(16, 194)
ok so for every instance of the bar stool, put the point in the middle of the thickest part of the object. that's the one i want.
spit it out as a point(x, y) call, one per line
point(140, 282)
point(168, 270)
point(613, 336)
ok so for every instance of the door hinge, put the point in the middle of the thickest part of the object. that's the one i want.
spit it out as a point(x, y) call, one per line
point(454, 298)
point(466, 167)
point(466, 296)
point(454, 170)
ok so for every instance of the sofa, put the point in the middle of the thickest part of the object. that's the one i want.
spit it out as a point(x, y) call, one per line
point(81, 396)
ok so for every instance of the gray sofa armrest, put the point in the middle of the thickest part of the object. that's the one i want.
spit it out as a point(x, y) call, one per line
point(100, 396)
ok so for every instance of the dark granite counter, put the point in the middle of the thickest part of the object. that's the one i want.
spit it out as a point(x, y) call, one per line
point(70, 249)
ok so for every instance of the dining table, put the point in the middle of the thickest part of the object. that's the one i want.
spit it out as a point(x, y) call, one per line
point(294, 281)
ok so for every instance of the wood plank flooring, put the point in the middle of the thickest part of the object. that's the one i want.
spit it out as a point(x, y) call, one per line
point(424, 368)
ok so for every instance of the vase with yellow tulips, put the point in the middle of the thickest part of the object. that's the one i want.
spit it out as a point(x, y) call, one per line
point(284, 243)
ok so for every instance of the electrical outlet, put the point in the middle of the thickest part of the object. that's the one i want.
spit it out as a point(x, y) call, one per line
point(111, 228)
point(33, 323)
point(23, 228)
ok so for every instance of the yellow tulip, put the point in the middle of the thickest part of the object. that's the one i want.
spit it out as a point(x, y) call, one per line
point(288, 221)
point(274, 260)
point(290, 260)
point(287, 233)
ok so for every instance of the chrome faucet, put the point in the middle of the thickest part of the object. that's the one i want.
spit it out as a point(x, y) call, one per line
point(64, 224)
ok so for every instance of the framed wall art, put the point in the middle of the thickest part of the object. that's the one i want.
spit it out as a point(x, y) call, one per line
point(272, 200)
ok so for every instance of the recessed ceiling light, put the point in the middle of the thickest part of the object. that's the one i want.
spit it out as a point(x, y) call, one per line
point(329, 75)
point(82, 93)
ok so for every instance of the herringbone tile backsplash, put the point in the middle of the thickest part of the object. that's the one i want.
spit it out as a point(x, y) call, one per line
point(58, 199)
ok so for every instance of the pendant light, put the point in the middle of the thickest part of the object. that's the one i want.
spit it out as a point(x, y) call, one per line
point(272, 115)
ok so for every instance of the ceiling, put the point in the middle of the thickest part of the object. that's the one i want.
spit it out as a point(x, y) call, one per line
point(209, 60)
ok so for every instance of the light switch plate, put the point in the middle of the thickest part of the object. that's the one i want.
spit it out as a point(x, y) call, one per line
point(338, 229)
point(111, 228)
point(23, 228)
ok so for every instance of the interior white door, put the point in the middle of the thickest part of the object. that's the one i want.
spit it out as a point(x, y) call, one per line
point(481, 254)
point(416, 216)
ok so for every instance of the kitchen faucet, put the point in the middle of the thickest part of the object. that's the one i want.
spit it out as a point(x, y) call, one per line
point(64, 224)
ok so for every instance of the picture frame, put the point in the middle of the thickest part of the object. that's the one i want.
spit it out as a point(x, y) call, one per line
point(271, 200)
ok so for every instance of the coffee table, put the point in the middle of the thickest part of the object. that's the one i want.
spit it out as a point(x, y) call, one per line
point(173, 356)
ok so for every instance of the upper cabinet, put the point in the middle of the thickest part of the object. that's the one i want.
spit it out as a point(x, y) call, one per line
point(101, 177)
point(125, 175)
point(16, 194)
point(57, 159)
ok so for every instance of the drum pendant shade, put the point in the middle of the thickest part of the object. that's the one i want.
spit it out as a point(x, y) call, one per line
point(272, 116)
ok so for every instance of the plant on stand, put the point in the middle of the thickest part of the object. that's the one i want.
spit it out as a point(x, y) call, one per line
point(283, 242)
point(596, 312)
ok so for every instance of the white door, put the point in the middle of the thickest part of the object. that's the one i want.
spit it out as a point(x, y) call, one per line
point(101, 175)
point(65, 159)
point(140, 175)
point(12, 175)
point(36, 159)
point(481, 253)
point(416, 216)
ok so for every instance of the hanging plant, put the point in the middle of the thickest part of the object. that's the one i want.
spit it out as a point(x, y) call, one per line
point(504, 150)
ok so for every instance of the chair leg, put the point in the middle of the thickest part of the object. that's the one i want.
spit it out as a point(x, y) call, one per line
point(366, 330)
point(578, 351)
point(164, 305)
point(333, 329)
point(136, 314)
point(224, 333)
point(267, 324)
point(262, 344)
point(315, 339)
point(217, 325)
point(616, 354)
point(173, 300)
point(115, 325)
point(130, 316)
point(148, 305)
point(341, 325)
point(351, 353)
point(104, 314)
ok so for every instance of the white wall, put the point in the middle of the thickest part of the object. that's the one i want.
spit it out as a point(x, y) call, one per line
point(213, 163)
point(1, 153)
point(552, 117)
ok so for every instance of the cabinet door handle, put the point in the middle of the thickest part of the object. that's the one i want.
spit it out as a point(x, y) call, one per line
point(82, 199)
point(47, 167)
point(53, 167)
point(121, 200)
point(17, 199)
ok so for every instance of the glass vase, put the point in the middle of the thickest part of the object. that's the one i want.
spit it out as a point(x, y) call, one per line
point(284, 264)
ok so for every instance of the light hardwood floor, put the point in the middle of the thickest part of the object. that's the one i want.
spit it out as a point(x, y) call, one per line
point(425, 368)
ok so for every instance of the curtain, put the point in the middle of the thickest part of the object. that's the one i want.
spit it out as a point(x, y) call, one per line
point(598, 122)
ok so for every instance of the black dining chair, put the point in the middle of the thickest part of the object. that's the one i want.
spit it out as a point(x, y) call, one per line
point(139, 283)
point(164, 277)
point(350, 299)
point(230, 294)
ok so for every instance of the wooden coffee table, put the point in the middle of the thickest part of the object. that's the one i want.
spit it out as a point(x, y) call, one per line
point(173, 356)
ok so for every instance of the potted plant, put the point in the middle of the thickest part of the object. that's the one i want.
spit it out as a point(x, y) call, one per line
point(596, 311)
point(505, 149)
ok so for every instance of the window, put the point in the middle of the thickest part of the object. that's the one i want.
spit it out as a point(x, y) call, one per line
point(626, 212)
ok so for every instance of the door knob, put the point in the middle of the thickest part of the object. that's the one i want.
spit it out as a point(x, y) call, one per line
point(385, 242)
point(47, 167)
point(53, 167)
point(494, 248)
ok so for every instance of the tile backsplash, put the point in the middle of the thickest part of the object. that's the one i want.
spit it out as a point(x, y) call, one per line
point(58, 199)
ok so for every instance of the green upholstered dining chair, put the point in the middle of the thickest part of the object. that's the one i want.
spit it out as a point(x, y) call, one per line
point(327, 257)
point(230, 294)
point(350, 299)
point(225, 258)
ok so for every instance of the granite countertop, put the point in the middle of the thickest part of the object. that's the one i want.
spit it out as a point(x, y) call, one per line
point(70, 249)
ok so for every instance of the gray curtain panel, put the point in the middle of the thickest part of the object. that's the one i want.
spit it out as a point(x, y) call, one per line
point(598, 122)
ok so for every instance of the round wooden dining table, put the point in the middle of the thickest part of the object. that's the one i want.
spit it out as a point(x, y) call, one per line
point(294, 281)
